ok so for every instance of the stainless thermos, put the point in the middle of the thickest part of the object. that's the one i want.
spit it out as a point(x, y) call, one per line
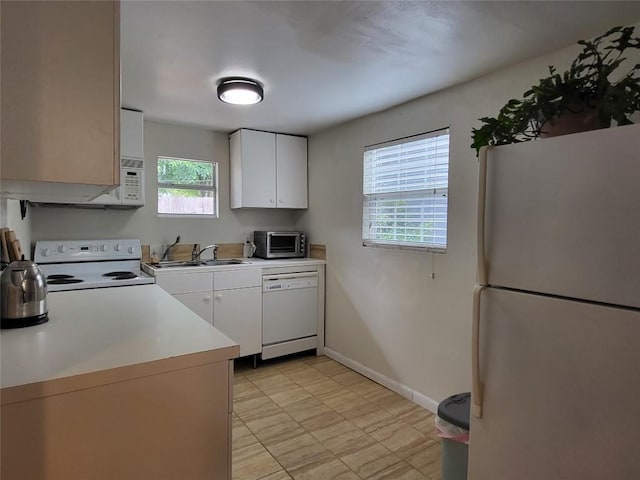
point(23, 295)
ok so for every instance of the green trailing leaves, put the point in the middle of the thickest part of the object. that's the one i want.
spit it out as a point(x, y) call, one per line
point(595, 82)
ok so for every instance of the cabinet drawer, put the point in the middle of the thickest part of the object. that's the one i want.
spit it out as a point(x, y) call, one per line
point(186, 283)
point(237, 279)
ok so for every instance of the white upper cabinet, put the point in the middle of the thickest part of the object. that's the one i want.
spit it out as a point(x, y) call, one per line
point(253, 169)
point(60, 99)
point(268, 170)
point(131, 134)
point(291, 171)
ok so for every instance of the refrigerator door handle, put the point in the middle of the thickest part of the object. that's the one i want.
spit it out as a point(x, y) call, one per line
point(476, 388)
point(482, 198)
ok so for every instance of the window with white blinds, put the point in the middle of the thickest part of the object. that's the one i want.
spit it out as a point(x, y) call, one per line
point(405, 189)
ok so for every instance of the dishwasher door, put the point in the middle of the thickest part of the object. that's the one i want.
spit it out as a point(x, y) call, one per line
point(289, 307)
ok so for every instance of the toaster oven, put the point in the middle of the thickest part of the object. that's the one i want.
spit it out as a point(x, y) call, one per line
point(279, 244)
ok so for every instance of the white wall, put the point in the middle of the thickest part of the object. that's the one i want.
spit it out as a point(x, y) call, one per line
point(10, 217)
point(172, 140)
point(383, 309)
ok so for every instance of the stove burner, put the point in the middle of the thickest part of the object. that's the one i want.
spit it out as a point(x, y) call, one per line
point(58, 277)
point(125, 276)
point(119, 274)
point(62, 281)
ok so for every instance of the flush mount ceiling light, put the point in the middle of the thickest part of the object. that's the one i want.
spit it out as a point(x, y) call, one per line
point(240, 91)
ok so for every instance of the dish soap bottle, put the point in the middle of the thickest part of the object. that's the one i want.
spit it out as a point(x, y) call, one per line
point(248, 248)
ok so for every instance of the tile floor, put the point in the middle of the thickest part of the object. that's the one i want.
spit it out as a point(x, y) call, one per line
point(311, 418)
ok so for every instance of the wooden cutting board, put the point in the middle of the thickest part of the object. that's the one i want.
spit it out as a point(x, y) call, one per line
point(17, 251)
point(4, 250)
point(181, 251)
point(10, 236)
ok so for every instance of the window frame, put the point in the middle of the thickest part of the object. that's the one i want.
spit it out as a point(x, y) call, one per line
point(407, 194)
point(179, 186)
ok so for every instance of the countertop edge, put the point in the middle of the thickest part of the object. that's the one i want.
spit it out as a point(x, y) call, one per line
point(251, 263)
point(58, 386)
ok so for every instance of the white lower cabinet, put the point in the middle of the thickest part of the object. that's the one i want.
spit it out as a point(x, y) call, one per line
point(199, 303)
point(238, 314)
point(233, 301)
point(230, 300)
point(193, 290)
point(237, 307)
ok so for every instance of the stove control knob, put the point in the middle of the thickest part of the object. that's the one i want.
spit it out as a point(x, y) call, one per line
point(117, 247)
point(46, 252)
point(132, 249)
point(62, 248)
point(103, 248)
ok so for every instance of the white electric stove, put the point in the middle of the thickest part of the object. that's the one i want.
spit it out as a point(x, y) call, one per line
point(84, 264)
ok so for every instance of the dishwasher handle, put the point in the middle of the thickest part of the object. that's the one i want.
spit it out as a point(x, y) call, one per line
point(286, 276)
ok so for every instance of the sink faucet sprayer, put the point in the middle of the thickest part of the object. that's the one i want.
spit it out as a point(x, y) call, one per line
point(195, 254)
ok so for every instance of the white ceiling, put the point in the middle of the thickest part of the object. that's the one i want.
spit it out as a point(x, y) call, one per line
point(325, 62)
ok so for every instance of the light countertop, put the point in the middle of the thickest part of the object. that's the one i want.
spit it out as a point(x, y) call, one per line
point(252, 262)
point(103, 329)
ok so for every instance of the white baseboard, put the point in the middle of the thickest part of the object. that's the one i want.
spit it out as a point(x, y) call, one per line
point(399, 388)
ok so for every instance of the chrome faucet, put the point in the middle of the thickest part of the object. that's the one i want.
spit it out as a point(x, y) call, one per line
point(166, 252)
point(195, 254)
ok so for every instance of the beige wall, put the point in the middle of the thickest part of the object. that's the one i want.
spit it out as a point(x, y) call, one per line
point(383, 309)
point(143, 223)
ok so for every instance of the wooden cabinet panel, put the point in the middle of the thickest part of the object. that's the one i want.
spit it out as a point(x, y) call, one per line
point(170, 425)
point(60, 92)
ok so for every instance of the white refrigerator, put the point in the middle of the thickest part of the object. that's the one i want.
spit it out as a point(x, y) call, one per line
point(556, 327)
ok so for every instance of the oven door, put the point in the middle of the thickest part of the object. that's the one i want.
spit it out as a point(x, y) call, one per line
point(283, 245)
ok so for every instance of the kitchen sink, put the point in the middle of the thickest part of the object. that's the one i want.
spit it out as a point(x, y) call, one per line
point(226, 261)
point(197, 263)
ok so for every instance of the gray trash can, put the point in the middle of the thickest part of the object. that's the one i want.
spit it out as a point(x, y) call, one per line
point(452, 425)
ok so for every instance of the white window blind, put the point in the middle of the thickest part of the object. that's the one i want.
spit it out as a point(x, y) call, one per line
point(405, 189)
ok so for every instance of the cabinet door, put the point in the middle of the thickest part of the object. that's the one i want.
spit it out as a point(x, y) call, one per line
point(61, 92)
point(238, 314)
point(291, 171)
point(131, 134)
point(199, 303)
point(253, 169)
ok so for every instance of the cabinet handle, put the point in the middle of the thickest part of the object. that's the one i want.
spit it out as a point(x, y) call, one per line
point(218, 297)
point(281, 201)
point(271, 200)
point(207, 299)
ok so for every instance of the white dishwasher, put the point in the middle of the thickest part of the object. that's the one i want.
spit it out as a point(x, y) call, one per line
point(289, 313)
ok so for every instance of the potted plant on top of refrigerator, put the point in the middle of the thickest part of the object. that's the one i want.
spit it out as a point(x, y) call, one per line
point(598, 89)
